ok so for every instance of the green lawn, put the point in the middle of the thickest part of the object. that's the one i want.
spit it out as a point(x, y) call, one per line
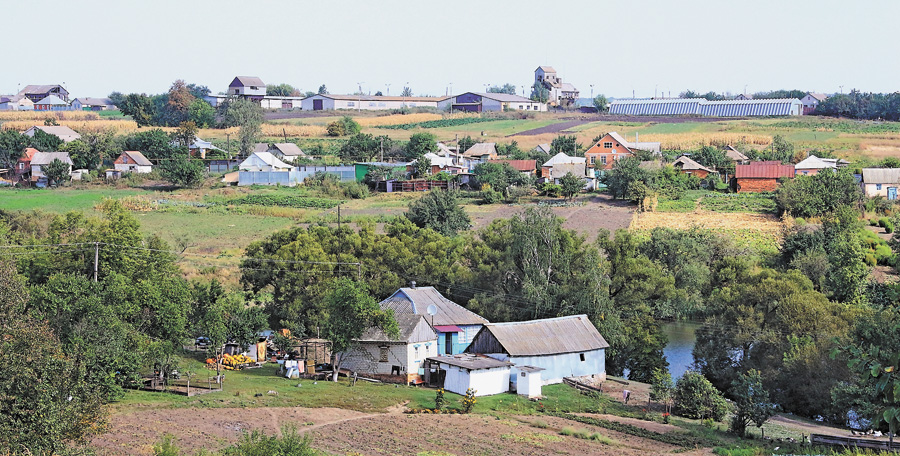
point(59, 200)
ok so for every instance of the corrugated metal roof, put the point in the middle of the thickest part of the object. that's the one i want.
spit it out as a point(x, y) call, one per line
point(704, 107)
point(764, 170)
point(247, 81)
point(813, 162)
point(481, 149)
point(139, 158)
point(413, 328)
point(289, 149)
point(470, 361)
point(881, 175)
point(416, 301)
point(519, 165)
point(563, 158)
point(552, 336)
point(559, 170)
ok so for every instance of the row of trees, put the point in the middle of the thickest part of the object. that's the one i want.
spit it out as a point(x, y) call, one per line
point(862, 105)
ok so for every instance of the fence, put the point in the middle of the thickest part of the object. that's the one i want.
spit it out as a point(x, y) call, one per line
point(415, 186)
point(853, 442)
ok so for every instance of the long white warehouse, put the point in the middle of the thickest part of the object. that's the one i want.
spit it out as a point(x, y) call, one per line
point(704, 107)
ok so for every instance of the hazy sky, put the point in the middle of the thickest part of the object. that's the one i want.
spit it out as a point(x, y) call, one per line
point(98, 46)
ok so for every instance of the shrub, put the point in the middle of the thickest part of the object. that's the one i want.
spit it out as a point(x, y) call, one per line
point(567, 430)
point(491, 196)
point(343, 127)
point(550, 189)
point(889, 227)
point(695, 397)
point(291, 443)
point(166, 447)
point(356, 190)
point(883, 221)
point(799, 221)
point(870, 260)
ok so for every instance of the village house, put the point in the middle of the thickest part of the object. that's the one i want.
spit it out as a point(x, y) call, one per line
point(526, 167)
point(761, 176)
point(23, 164)
point(455, 325)
point(545, 148)
point(51, 103)
point(881, 182)
point(377, 354)
point(688, 166)
point(479, 153)
point(560, 93)
point(811, 102)
point(263, 168)
point(564, 347)
point(132, 161)
point(199, 148)
point(439, 163)
point(736, 156)
point(611, 147)
point(92, 104)
point(458, 373)
point(744, 96)
point(16, 103)
point(36, 93)
point(64, 133)
point(288, 152)
point(41, 159)
point(560, 170)
point(247, 86)
point(812, 165)
point(558, 160)
point(484, 102)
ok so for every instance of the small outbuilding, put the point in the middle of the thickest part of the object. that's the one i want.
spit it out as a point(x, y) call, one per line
point(564, 347)
point(458, 373)
point(688, 166)
point(882, 182)
point(377, 354)
point(131, 161)
point(761, 176)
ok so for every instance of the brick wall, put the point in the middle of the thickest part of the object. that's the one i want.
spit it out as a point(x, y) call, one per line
point(756, 185)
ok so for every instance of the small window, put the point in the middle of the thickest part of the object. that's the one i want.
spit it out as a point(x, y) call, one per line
point(593, 159)
point(523, 374)
point(607, 145)
point(384, 355)
point(877, 186)
point(603, 159)
point(581, 355)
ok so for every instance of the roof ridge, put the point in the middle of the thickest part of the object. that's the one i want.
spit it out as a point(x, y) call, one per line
point(511, 323)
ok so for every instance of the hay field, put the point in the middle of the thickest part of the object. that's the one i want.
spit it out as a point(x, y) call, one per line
point(42, 115)
point(82, 126)
point(397, 119)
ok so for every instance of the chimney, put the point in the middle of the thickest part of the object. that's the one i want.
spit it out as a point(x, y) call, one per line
point(412, 284)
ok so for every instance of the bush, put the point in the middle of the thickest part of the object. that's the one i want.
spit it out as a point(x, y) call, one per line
point(356, 190)
point(550, 189)
point(343, 127)
point(883, 222)
point(695, 397)
point(291, 443)
point(870, 260)
point(491, 196)
point(889, 227)
point(166, 447)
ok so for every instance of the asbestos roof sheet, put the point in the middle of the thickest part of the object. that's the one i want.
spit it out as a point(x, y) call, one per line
point(685, 162)
point(413, 328)
point(470, 361)
point(416, 301)
point(247, 81)
point(45, 158)
point(551, 336)
point(519, 165)
point(289, 149)
point(735, 154)
point(559, 170)
point(481, 149)
point(881, 175)
point(764, 170)
point(138, 158)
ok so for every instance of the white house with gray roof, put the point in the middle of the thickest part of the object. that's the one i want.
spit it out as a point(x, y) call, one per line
point(564, 347)
point(882, 182)
point(42, 159)
point(62, 132)
point(455, 325)
point(247, 86)
point(376, 353)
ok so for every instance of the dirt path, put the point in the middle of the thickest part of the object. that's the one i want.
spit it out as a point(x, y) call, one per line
point(808, 428)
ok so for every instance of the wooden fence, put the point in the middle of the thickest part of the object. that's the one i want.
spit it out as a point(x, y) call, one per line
point(853, 442)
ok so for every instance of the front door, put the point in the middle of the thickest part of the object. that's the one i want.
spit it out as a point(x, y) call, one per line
point(892, 193)
point(448, 343)
point(317, 105)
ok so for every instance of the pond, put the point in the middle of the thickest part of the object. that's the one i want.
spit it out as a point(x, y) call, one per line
point(682, 337)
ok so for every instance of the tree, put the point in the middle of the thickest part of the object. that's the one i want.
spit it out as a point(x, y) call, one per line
point(155, 144)
point(185, 134)
point(539, 93)
point(624, 175)
point(407, 92)
point(202, 113)
point(351, 311)
point(571, 185)
point(323, 90)
point(601, 103)
point(281, 90)
point(695, 397)
point(499, 176)
point(12, 146)
point(359, 147)
point(182, 171)
point(343, 127)
point(198, 91)
point(566, 144)
point(751, 402)
point(420, 144)
point(57, 172)
point(140, 107)
point(178, 103)
point(819, 194)
point(422, 167)
point(48, 401)
point(440, 211)
point(506, 88)
point(662, 388)
point(82, 155)
point(243, 113)
point(465, 143)
point(45, 142)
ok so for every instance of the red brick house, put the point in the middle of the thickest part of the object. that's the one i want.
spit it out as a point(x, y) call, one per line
point(761, 176)
point(611, 147)
point(688, 166)
point(23, 165)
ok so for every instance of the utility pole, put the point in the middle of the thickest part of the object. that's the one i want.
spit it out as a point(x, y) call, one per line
point(381, 159)
point(339, 217)
point(96, 259)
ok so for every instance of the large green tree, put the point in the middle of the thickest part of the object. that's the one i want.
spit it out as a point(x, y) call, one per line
point(248, 116)
point(12, 146)
point(183, 171)
point(420, 144)
point(57, 172)
point(751, 402)
point(440, 211)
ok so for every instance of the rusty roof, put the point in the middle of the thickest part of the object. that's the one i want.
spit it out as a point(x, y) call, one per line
point(763, 170)
point(551, 336)
point(519, 165)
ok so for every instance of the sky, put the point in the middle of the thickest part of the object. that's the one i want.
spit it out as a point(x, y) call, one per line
point(640, 47)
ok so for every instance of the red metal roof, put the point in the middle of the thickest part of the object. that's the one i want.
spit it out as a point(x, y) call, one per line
point(447, 328)
point(519, 165)
point(763, 170)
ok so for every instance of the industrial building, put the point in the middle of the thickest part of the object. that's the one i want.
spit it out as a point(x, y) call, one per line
point(704, 107)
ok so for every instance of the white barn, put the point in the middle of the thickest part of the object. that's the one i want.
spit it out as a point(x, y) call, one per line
point(378, 354)
point(132, 161)
point(458, 373)
point(329, 102)
point(263, 168)
point(564, 347)
point(704, 107)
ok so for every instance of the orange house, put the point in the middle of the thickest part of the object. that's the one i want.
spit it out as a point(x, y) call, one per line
point(608, 149)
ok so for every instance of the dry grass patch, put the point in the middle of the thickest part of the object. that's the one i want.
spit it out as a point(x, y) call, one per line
point(695, 140)
point(397, 119)
point(766, 223)
point(41, 115)
point(83, 126)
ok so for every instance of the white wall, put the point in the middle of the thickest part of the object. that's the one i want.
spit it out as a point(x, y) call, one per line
point(872, 189)
point(132, 168)
point(558, 366)
point(529, 384)
point(366, 357)
point(485, 381)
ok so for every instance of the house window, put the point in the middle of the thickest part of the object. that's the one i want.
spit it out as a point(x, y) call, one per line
point(350, 103)
point(877, 186)
point(523, 374)
point(607, 145)
point(417, 351)
point(593, 159)
point(581, 355)
point(383, 357)
point(603, 159)
point(520, 106)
